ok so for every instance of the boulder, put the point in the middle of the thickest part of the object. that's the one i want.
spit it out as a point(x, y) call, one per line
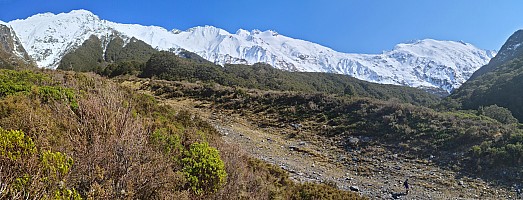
point(354, 188)
point(353, 141)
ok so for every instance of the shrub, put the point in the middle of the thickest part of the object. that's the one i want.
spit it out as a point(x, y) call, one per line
point(48, 93)
point(58, 93)
point(204, 169)
point(22, 182)
point(67, 194)
point(56, 164)
point(14, 144)
point(498, 113)
point(169, 142)
point(12, 82)
point(15, 82)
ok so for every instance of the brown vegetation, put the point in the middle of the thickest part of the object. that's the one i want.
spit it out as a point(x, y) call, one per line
point(464, 141)
point(98, 144)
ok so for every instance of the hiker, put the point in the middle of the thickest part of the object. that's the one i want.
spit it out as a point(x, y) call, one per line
point(406, 184)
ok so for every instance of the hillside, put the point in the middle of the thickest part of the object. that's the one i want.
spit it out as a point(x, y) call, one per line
point(138, 58)
point(67, 135)
point(428, 63)
point(330, 132)
point(168, 66)
point(359, 142)
point(91, 55)
point(328, 111)
point(498, 83)
point(508, 52)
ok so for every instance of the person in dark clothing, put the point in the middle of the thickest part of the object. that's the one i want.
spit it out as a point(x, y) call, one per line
point(406, 184)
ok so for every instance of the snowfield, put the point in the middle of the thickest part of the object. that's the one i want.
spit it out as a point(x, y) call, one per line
point(424, 63)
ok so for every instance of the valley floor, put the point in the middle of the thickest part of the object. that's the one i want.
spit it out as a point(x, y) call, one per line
point(377, 171)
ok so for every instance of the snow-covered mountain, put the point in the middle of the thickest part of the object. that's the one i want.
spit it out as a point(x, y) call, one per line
point(424, 63)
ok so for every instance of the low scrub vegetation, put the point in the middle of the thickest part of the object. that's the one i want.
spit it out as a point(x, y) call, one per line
point(167, 66)
point(67, 135)
point(467, 141)
point(499, 86)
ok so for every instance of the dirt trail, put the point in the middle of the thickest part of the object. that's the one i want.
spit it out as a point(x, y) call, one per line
point(373, 170)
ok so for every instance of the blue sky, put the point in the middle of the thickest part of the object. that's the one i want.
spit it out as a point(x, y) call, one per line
point(352, 26)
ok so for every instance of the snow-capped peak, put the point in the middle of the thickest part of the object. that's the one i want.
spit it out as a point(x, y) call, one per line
point(176, 31)
point(48, 37)
point(422, 63)
point(78, 14)
point(207, 31)
point(82, 12)
point(242, 33)
point(446, 64)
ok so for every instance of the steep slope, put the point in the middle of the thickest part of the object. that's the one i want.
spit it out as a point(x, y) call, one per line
point(425, 63)
point(68, 135)
point(48, 37)
point(168, 66)
point(499, 82)
point(509, 51)
point(12, 53)
point(93, 54)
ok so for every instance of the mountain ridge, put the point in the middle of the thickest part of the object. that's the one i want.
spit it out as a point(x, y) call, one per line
point(499, 82)
point(509, 51)
point(425, 63)
point(12, 52)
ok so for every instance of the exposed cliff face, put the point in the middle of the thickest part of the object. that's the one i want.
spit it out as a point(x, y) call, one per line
point(12, 52)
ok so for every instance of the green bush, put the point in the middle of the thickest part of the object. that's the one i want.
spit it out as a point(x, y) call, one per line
point(58, 93)
point(56, 164)
point(22, 182)
point(168, 141)
point(204, 169)
point(14, 144)
point(12, 82)
point(122, 68)
point(498, 113)
point(67, 194)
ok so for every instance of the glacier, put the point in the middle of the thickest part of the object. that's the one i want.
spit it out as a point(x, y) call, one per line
point(426, 63)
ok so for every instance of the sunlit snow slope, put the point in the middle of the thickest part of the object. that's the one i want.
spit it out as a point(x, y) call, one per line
point(424, 63)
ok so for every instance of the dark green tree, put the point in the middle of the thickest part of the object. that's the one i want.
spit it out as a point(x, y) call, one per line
point(498, 113)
